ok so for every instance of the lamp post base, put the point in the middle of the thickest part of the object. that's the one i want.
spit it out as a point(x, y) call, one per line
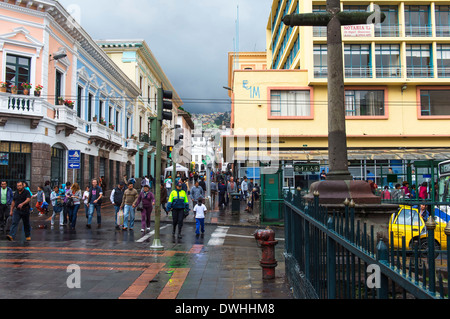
point(336, 191)
point(156, 245)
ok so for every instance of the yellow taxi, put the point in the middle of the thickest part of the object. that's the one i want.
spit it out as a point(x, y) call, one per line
point(410, 223)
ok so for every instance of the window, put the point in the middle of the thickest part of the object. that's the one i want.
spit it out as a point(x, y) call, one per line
point(390, 26)
point(387, 57)
point(320, 61)
point(435, 102)
point(408, 217)
point(57, 165)
point(418, 60)
point(357, 61)
point(443, 60)
point(319, 31)
point(58, 86)
point(79, 100)
point(442, 14)
point(100, 109)
point(417, 21)
point(290, 103)
point(15, 163)
point(116, 127)
point(364, 103)
point(90, 97)
point(18, 71)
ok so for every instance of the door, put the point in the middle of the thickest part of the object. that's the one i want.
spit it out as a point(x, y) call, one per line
point(271, 198)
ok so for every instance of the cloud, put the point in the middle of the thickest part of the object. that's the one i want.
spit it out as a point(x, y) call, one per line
point(190, 38)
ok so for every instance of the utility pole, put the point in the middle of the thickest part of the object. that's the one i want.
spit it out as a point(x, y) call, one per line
point(162, 115)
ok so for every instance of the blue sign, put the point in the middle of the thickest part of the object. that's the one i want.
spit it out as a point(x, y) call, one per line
point(74, 161)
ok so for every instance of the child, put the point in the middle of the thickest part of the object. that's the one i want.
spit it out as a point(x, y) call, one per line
point(85, 201)
point(40, 197)
point(57, 205)
point(199, 215)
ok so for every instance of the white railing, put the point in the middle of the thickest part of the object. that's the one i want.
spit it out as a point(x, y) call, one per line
point(442, 31)
point(419, 72)
point(131, 144)
point(100, 130)
point(365, 72)
point(21, 104)
point(389, 72)
point(418, 31)
point(387, 30)
point(65, 115)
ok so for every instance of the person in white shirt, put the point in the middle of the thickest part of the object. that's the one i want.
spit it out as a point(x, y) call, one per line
point(199, 215)
point(85, 201)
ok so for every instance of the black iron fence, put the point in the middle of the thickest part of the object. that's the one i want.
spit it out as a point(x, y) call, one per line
point(331, 255)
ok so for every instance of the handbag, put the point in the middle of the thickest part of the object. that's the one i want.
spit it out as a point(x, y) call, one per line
point(140, 207)
point(120, 217)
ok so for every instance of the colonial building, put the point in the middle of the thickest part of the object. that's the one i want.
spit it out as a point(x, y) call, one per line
point(41, 44)
point(396, 91)
point(136, 59)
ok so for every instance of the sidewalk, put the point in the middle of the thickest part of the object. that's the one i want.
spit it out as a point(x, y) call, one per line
point(115, 264)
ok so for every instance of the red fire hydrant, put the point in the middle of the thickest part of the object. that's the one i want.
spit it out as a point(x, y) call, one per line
point(266, 240)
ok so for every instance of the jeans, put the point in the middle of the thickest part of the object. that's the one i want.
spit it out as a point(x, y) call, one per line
point(73, 212)
point(91, 213)
point(116, 210)
point(199, 223)
point(128, 210)
point(57, 209)
point(17, 216)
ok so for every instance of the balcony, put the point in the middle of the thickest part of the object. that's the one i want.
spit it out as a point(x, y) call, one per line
point(66, 120)
point(387, 31)
point(442, 31)
point(389, 72)
point(364, 72)
point(131, 145)
point(418, 31)
point(104, 137)
point(419, 72)
point(22, 107)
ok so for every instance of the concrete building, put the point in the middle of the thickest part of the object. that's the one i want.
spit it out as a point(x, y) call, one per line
point(41, 44)
point(135, 58)
point(186, 124)
point(396, 88)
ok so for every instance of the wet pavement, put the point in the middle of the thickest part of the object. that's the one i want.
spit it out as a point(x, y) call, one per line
point(106, 263)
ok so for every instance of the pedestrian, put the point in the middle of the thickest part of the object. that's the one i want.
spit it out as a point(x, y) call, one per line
point(386, 194)
point(86, 201)
point(231, 188)
point(423, 191)
point(6, 198)
point(75, 194)
point(202, 184)
point(244, 188)
point(67, 204)
point(40, 199)
point(199, 215)
point(413, 192)
point(20, 210)
point(163, 196)
point(196, 192)
point(116, 199)
point(397, 193)
point(147, 199)
point(405, 189)
point(222, 193)
point(95, 203)
point(179, 205)
point(57, 204)
point(103, 183)
point(424, 212)
point(213, 193)
point(128, 205)
point(168, 183)
point(47, 192)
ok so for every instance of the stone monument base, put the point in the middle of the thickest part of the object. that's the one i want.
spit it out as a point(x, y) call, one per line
point(336, 191)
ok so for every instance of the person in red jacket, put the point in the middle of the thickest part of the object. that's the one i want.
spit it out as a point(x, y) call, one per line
point(148, 201)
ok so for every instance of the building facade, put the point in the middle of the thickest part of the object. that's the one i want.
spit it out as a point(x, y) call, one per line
point(41, 44)
point(136, 59)
point(396, 87)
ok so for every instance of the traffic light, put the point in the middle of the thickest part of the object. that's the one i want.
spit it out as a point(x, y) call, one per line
point(165, 103)
point(153, 129)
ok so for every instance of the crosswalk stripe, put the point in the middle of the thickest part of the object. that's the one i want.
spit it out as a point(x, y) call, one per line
point(218, 236)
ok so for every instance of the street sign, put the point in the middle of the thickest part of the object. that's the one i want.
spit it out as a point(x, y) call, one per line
point(307, 168)
point(74, 160)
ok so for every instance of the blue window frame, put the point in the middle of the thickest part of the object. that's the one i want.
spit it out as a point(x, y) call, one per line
point(387, 59)
point(357, 59)
point(442, 14)
point(390, 26)
point(18, 69)
point(443, 60)
point(419, 61)
point(320, 61)
point(417, 21)
point(319, 31)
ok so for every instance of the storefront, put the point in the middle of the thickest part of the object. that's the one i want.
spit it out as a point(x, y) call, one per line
point(15, 163)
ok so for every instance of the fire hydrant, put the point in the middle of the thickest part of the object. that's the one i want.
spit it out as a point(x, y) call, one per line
point(266, 240)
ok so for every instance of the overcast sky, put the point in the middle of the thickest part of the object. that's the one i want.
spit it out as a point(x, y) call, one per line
point(190, 38)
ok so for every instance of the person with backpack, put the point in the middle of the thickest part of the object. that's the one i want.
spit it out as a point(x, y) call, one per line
point(95, 203)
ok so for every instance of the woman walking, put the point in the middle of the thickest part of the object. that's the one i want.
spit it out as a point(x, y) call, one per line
point(73, 210)
point(147, 199)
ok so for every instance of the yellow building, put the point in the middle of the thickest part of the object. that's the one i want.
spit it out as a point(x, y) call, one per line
point(397, 90)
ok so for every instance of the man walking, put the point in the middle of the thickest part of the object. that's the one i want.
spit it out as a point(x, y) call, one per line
point(116, 199)
point(179, 204)
point(20, 209)
point(6, 198)
point(197, 192)
point(95, 203)
point(244, 188)
point(231, 188)
point(130, 197)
